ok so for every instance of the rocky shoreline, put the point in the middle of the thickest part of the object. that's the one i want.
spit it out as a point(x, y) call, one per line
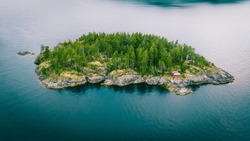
point(126, 77)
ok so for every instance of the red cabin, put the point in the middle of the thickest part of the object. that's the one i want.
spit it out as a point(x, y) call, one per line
point(176, 75)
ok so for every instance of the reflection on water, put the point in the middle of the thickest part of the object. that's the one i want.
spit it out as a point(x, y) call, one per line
point(129, 89)
point(180, 3)
point(81, 90)
point(196, 87)
point(141, 88)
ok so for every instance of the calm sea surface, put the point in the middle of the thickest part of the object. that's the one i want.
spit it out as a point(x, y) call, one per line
point(28, 112)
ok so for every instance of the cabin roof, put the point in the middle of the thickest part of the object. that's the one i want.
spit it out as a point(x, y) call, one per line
point(176, 73)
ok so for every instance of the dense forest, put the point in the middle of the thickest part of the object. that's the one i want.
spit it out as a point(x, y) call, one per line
point(144, 53)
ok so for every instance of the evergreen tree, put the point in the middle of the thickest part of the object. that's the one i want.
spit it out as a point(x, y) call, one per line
point(146, 54)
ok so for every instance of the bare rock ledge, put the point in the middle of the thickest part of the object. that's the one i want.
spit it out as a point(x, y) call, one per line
point(123, 78)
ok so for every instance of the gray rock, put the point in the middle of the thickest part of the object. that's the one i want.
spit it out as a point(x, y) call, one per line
point(177, 86)
point(153, 80)
point(109, 82)
point(95, 79)
point(122, 80)
point(164, 81)
point(182, 91)
point(63, 84)
point(126, 79)
point(139, 80)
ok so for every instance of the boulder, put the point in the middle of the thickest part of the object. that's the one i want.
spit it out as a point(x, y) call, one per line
point(95, 79)
point(152, 80)
point(164, 81)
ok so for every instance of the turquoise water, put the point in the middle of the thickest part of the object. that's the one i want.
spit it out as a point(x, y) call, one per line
point(30, 112)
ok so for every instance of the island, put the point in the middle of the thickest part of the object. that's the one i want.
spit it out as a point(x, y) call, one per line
point(126, 58)
point(24, 53)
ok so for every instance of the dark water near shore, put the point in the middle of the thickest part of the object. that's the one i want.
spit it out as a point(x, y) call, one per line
point(219, 31)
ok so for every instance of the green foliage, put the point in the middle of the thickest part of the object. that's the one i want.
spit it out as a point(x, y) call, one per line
point(146, 54)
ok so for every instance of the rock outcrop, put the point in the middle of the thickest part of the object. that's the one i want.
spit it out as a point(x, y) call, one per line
point(123, 78)
point(95, 79)
point(215, 76)
point(126, 77)
point(63, 83)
